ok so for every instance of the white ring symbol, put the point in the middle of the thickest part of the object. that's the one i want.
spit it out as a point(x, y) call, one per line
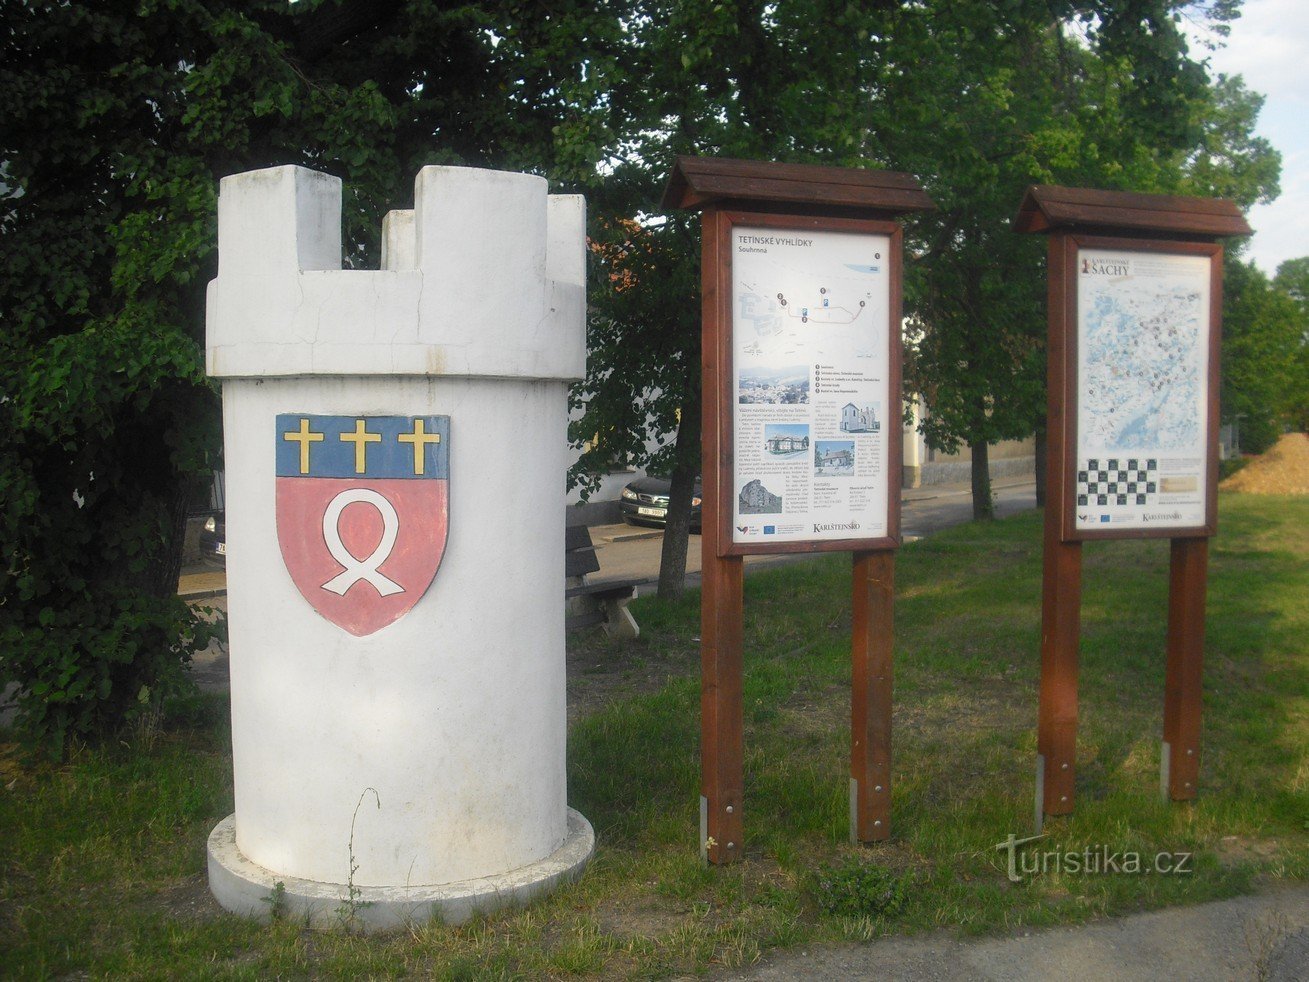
point(361, 569)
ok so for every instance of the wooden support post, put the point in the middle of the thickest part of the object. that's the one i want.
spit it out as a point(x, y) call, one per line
point(1061, 586)
point(1056, 740)
point(722, 763)
point(842, 218)
point(1180, 764)
point(722, 598)
point(870, 701)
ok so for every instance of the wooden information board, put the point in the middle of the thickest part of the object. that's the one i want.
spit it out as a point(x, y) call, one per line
point(1135, 302)
point(801, 439)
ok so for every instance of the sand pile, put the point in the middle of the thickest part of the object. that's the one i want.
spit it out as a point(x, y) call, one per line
point(1282, 470)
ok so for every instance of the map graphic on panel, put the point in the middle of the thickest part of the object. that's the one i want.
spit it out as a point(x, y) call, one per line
point(1143, 364)
point(1144, 357)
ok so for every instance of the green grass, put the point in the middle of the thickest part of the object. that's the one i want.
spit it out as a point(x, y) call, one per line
point(102, 859)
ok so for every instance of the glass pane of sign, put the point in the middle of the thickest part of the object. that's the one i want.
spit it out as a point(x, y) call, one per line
point(1142, 390)
point(811, 367)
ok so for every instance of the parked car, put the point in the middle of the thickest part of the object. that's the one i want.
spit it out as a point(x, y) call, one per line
point(645, 502)
point(213, 536)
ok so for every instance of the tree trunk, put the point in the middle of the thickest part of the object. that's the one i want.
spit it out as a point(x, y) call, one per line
point(164, 574)
point(1042, 462)
point(672, 560)
point(983, 506)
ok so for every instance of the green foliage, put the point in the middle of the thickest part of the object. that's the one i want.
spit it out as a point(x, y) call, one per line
point(1228, 467)
point(700, 77)
point(643, 350)
point(276, 901)
point(1293, 280)
point(119, 121)
point(106, 219)
point(1228, 160)
point(1092, 95)
point(974, 293)
point(1264, 339)
point(859, 888)
point(977, 100)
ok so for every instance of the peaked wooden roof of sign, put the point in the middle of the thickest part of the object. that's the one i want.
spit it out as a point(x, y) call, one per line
point(699, 182)
point(1046, 208)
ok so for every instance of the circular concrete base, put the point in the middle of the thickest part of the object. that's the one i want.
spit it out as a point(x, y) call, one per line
point(252, 891)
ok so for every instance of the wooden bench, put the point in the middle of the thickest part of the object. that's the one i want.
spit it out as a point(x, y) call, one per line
point(594, 603)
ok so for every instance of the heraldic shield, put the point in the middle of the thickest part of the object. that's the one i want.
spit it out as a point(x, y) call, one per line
point(362, 512)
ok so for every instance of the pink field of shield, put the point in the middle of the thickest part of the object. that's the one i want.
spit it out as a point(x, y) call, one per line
point(422, 510)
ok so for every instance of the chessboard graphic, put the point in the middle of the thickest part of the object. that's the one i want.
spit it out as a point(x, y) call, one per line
point(1118, 481)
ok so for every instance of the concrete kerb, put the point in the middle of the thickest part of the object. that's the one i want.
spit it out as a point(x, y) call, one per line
point(250, 890)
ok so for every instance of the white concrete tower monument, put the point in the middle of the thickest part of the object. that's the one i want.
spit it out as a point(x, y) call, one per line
point(395, 452)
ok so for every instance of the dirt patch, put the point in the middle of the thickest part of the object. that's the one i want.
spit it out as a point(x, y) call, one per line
point(188, 900)
point(1282, 470)
point(818, 713)
point(645, 918)
point(602, 671)
point(1236, 850)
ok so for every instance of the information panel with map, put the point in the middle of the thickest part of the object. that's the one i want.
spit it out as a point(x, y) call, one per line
point(811, 368)
point(1142, 391)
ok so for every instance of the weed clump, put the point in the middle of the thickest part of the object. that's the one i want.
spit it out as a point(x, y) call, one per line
point(853, 888)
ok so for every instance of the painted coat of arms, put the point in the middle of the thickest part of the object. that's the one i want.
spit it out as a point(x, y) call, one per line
point(362, 512)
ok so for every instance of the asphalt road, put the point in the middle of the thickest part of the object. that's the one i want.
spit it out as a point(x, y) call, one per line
point(1265, 936)
point(927, 510)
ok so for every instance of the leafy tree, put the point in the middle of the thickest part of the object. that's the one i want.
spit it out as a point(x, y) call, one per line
point(983, 117)
point(1260, 330)
point(978, 100)
point(117, 125)
point(1101, 95)
point(1262, 355)
point(1228, 160)
point(1293, 280)
point(698, 77)
point(643, 366)
point(118, 122)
